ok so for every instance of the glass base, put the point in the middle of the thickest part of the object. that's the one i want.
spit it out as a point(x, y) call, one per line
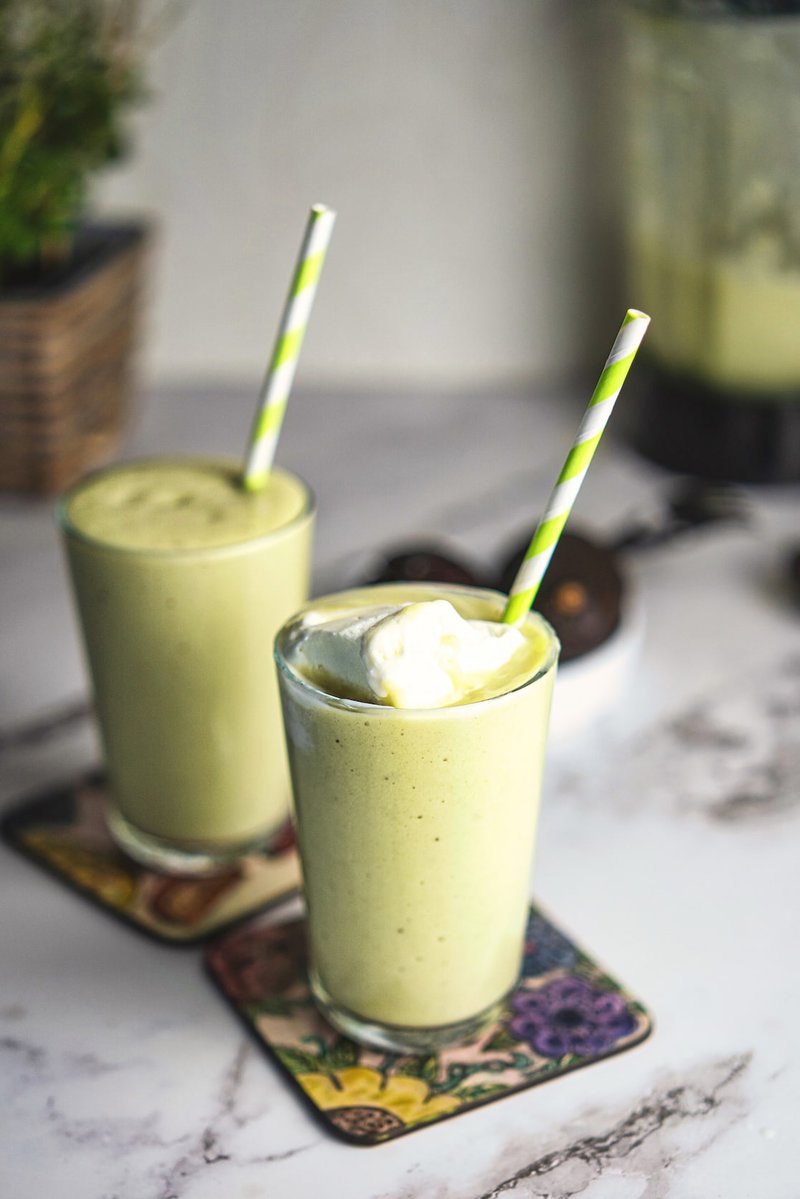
point(397, 1038)
point(168, 858)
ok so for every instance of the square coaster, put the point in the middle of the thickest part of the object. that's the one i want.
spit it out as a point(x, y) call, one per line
point(566, 1012)
point(65, 831)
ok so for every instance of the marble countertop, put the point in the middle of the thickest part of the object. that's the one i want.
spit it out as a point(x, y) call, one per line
point(668, 846)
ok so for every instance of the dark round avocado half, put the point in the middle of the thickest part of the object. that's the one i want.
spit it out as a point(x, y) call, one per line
point(581, 593)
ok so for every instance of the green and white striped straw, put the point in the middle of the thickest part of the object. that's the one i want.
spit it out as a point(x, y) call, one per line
point(540, 551)
point(278, 380)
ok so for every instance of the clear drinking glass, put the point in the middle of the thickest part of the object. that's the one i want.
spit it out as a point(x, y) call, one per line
point(178, 643)
point(416, 833)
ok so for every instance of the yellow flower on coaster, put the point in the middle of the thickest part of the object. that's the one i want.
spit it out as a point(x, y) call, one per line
point(367, 1103)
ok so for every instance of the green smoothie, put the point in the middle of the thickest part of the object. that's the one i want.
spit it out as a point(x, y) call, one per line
point(181, 579)
point(416, 825)
point(726, 318)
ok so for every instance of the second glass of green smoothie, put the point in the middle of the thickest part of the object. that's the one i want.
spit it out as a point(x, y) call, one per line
point(181, 579)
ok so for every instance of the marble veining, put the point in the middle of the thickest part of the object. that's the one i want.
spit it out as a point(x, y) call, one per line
point(48, 1082)
point(40, 1075)
point(734, 759)
point(46, 1066)
point(646, 1136)
point(749, 746)
point(209, 1148)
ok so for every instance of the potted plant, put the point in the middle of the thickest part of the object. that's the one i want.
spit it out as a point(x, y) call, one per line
point(69, 71)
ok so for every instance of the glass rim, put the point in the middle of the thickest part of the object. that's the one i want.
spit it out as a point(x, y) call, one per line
point(385, 711)
point(70, 529)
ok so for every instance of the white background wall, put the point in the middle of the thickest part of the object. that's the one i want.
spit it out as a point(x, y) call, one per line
point(468, 146)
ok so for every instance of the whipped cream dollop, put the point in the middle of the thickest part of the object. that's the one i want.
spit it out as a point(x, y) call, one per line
point(414, 655)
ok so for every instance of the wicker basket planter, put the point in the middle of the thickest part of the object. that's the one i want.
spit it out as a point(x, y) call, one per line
point(66, 354)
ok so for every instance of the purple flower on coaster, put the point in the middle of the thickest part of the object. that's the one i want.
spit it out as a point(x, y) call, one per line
point(546, 948)
point(569, 1016)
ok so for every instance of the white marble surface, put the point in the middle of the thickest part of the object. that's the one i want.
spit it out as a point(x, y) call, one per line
point(668, 846)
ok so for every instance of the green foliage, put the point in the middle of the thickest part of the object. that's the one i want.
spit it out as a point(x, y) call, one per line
point(503, 1039)
point(296, 1061)
point(426, 1068)
point(481, 1090)
point(341, 1054)
point(68, 71)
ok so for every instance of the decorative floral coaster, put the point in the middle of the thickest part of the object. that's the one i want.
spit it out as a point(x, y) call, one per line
point(65, 831)
point(565, 1013)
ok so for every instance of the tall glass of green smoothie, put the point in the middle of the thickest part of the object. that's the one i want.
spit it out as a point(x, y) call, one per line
point(416, 725)
point(181, 578)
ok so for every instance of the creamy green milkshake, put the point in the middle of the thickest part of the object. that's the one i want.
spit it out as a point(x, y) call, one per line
point(181, 579)
point(416, 742)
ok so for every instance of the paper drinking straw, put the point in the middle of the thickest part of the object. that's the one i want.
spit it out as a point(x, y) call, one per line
point(540, 551)
point(278, 380)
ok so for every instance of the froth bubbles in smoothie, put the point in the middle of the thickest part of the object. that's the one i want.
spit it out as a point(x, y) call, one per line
point(181, 579)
